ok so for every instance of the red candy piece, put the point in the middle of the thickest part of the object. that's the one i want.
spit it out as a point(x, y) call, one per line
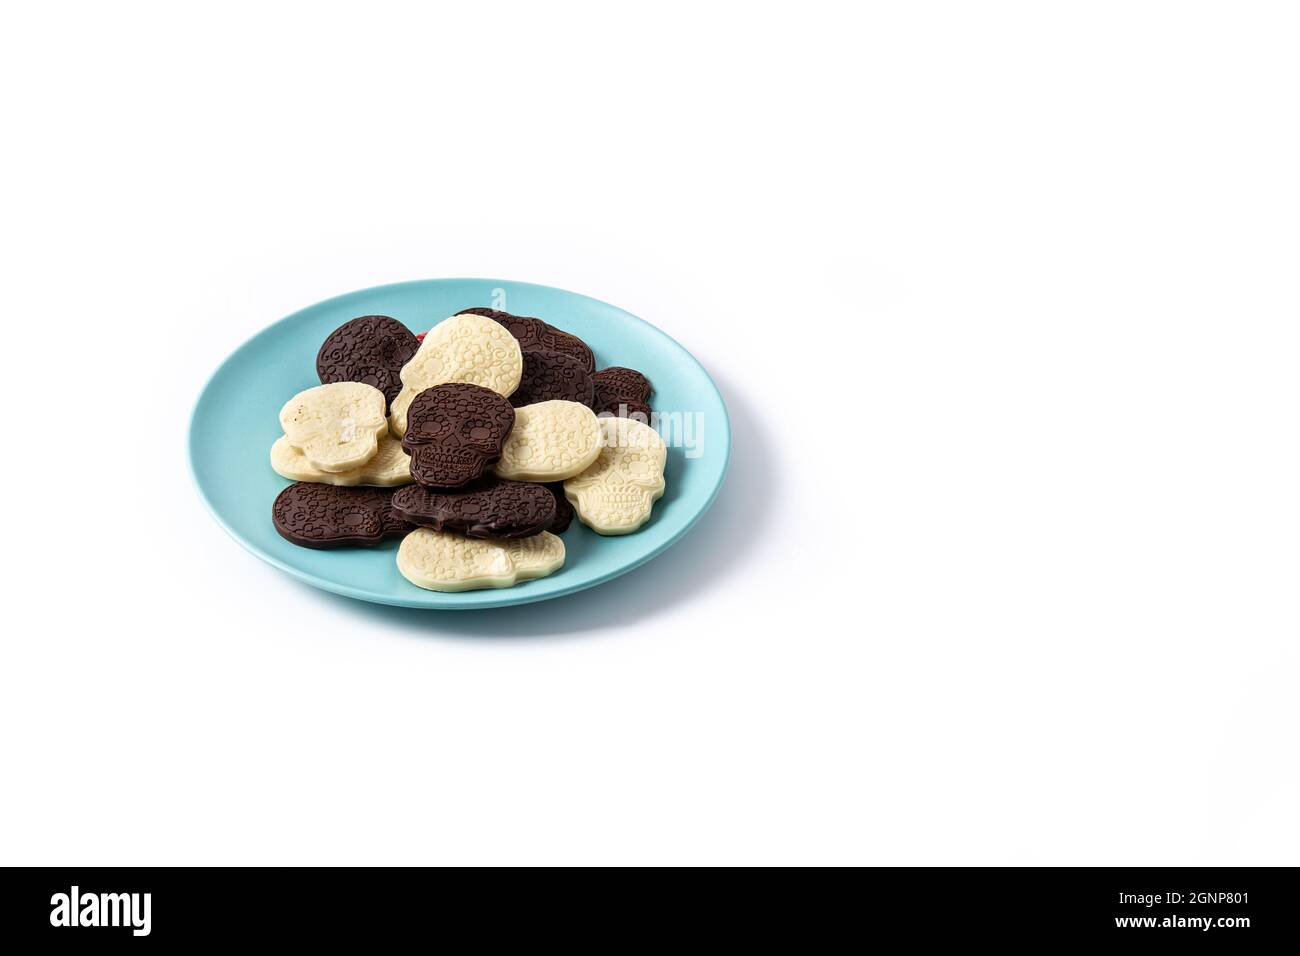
point(420, 337)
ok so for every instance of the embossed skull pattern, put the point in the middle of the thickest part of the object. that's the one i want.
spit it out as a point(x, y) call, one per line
point(370, 349)
point(492, 508)
point(553, 375)
point(454, 432)
point(615, 495)
point(551, 441)
point(442, 561)
point(621, 391)
point(332, 516)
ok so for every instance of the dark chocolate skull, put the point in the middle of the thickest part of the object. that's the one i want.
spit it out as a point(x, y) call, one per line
point(333, 516)
point(622, 391)
point(370, 349)
point(454, 432)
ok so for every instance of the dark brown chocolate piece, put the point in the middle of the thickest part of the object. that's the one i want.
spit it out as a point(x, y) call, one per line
point(370, 349)
point(553, 375)
point(454, 432)
point(620, 391)
point(492, 508)
point(334, 516)
point(535, 335)
point(563, 510)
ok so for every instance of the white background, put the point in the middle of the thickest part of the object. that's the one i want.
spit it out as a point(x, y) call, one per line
point(1003, 300)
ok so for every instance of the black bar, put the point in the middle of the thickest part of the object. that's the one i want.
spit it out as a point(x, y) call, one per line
point(1223, 907)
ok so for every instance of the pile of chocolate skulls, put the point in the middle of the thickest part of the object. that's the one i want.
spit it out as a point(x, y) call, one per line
point(476, 443)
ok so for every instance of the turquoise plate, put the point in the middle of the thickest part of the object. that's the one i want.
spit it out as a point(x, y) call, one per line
point(237, 419)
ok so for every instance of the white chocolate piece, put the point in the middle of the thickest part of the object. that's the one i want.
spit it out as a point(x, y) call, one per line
point(390, 467)
point(537, 555)
point(464, 348)
point(617, 493)
point(443, 561)
point(337, 427)
point(551, 441)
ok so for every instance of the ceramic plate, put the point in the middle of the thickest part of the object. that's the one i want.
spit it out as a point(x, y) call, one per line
point(237, 419)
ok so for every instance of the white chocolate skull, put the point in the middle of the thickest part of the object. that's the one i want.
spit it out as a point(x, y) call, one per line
point(463, 348)
point(550, 441)
point(445, 561)
point(390, 467)
point(337, 427)
point(616, 494)
point(536, 555)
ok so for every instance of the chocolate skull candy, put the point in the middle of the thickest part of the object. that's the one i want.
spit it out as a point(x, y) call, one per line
point(622, 391)
point(550, 375)
point(454, 432)
point(616, 493)
point(332, 516)
point(491, 508)
point(371, 349)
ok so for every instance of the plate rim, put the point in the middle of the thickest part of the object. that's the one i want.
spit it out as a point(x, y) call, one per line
point(507, 599)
